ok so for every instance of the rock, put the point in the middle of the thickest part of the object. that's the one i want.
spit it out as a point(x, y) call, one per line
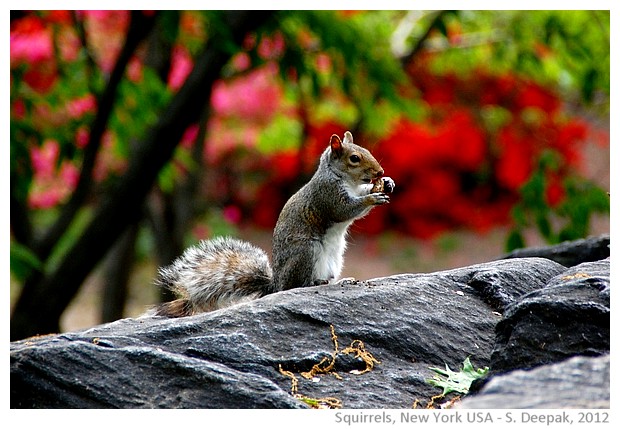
point(569, 316)
point(569, 253)
point(509, 314)
point(503, 283)
point(578, 382)
point(72, 373)
point(230, 358)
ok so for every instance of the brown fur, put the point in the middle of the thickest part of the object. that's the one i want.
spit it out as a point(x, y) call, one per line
point(176, 308)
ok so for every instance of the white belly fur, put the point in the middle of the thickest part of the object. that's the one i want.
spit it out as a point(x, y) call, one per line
point(329, 253)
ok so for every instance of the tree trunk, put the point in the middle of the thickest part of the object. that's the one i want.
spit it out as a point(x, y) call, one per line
point(117, 269)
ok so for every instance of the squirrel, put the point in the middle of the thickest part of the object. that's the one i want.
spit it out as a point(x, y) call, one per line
point(309, 239)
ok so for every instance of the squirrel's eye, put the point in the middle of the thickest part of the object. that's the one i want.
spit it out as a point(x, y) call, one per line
point(355, 158)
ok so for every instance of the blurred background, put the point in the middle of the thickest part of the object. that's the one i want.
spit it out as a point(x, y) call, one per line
point(134, 134)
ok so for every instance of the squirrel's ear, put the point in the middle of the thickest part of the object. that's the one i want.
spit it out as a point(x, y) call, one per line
point(348, 137)
point(335, 144)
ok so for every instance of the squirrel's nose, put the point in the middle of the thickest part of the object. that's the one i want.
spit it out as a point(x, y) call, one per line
point(379, 173)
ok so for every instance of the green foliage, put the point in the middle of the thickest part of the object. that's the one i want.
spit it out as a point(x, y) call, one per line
point(569, 220)
point(566, 49)
point(365, 75)
point(459, 382)
point(131, 119)
point(362, 83)
point(23, 261)
point(282, 134)
point(583, 199)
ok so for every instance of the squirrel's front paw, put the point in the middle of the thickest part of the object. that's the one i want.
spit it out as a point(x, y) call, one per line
point(378, 198)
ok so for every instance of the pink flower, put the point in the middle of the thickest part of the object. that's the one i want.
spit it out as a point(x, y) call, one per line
point(323, 63)
point(69, 174)
point(81, 137)
point(241, 61)
point(189, 136)
point(18, 109)
point(44, 158)
point(232, 214)
point(44, 200)
point(30, 48)
point(134, 70)
point(271, 47)
point(181, 67)
point(107, 30)
point(68, 44)
point(78, 107)
point(49, 184)
point(254, 95)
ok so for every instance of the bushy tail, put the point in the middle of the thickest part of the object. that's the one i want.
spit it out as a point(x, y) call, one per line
point(214, 274)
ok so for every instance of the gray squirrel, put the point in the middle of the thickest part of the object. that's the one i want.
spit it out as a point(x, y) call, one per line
point(309, 239)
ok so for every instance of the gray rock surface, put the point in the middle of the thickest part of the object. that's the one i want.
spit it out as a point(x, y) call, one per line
point(578, 382)
point(569, 253)
point(231, 358)
point(569, 316)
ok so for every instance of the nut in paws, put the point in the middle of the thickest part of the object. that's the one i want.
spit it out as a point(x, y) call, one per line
point(385, 185)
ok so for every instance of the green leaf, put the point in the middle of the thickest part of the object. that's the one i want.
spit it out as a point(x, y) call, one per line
point(23, 261)
point(514, 241)
point(283, 133)
point(544, 226)
point(459, 382)
point(165, 179)
point(589, 84)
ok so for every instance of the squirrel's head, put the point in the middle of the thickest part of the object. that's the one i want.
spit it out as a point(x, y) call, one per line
point(353, 163)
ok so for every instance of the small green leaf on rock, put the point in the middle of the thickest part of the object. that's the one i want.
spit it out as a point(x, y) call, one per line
point(460, 382)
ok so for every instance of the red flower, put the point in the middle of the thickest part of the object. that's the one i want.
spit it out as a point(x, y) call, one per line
point(285, 166)
point(515, 163)
point(41, 78)
point(440, 90)
point(569, 137)
point(496, 90)
point(533, 95)
point(554, 191)
point(461, 141)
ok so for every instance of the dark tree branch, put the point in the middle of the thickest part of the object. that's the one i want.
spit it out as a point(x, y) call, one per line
point(17, 14)
point(160, 42)
point(90, 62)
point(119, 261)
point(21, 227)
point(415, 50)
point(138, 29)
point(40, 311)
